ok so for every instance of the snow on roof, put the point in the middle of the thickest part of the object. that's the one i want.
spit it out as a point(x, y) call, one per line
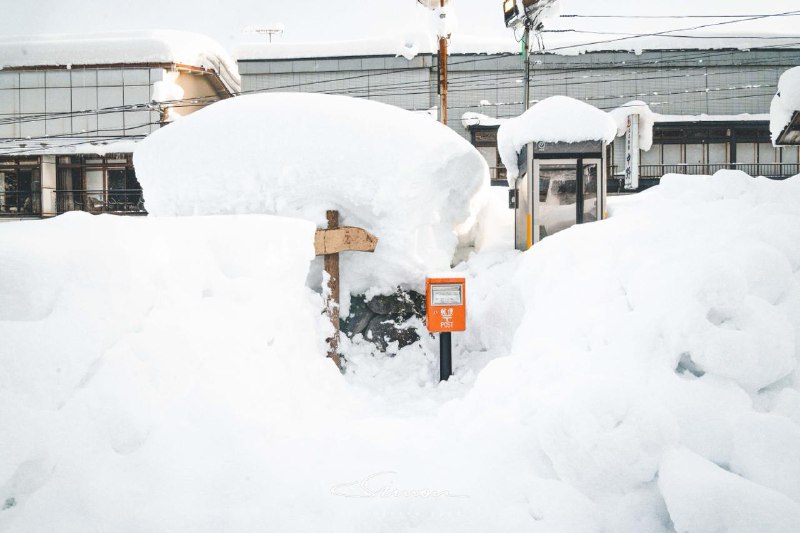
point(411, 45)
point(554, 119)
point(785, 103)
point(129, 47)
point(411, 181)
point(470, 119)
point(61, 146)
point(397, 46)
point(742, 117)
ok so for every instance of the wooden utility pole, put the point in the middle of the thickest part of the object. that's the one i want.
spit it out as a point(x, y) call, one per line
point(443, 72)
point(328, 243)
point(526, 51)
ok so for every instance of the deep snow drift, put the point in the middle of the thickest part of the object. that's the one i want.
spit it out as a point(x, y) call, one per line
point(407, 179)
point(633, 375)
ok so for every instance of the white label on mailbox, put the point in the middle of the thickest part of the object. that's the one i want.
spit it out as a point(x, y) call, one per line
point(446, 294)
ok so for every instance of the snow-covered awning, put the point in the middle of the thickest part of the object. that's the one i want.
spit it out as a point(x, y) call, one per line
point(470, 119)
point(120, 48)
point(77, 146)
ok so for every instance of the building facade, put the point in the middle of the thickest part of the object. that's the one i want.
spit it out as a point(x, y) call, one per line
point(713, 105)
point(70, 116)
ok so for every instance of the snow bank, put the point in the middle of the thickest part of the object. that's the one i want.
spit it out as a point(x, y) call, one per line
point(128, 47)
point(701, 496)
point(135, 350)
point(554, 119)
point(495, 223)
point(646, 121)
point(646, 365)
point(408, 180)
point(636, 374)
point(785, 103)
point(662, 328)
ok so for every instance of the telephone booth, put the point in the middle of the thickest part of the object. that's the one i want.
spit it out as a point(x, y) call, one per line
point(560, 184)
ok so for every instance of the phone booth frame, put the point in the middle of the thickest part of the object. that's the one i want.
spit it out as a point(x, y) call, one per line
point(532, 213)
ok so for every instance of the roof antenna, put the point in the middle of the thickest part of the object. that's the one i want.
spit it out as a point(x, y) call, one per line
point(269, 31)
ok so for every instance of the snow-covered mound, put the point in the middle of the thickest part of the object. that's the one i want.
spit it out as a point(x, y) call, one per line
point(134, 353)
point(633, 375)
point(407, 179)
point(785, 103)
point(673, 326)
point(554, 119)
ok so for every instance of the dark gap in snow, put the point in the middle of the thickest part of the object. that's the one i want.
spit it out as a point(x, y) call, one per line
point(687, 365)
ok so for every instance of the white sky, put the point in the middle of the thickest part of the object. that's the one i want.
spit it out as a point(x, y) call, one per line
point(314, 20)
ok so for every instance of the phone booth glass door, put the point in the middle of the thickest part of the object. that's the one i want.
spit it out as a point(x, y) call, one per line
point(568, 194)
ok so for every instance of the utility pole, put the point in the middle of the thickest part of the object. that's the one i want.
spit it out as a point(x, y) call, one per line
point(526, 53)
point(442, 56)
point(442, 71)
point(529, 19)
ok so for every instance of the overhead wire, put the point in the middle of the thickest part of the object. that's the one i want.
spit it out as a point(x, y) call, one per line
point(380, 90)
point(201, 100)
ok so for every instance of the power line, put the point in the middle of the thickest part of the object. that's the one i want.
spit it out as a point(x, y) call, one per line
point(202, 100)
point(199, 101)
point(628, 16)
point(678, 36)
point(664, 32)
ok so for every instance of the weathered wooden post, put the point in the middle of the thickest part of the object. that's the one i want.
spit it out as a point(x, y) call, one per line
point(328, 243)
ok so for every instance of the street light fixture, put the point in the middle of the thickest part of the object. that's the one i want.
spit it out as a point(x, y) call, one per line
point(528, 19)
point(530, 12)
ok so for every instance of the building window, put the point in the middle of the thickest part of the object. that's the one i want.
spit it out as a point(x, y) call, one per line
point(98, 185)
point(485, 140)
point(20, 187)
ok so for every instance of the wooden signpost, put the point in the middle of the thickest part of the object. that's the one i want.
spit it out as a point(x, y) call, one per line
point(328, 243)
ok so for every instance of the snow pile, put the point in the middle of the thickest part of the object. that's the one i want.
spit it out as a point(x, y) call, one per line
point(701, 496)
point(496, 222)
point(637, 374)
point(646, 121)
point(124, 47)
point(786, 103)
point(675, 328)
point(408, 180)
point(137, 353)
point(652, 382)
point(554, 119)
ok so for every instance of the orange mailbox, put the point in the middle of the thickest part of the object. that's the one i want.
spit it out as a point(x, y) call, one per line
point(446, 303)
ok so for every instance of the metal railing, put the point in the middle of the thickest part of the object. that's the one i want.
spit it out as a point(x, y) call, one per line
point(770, 170)
point(20, 203)
point(116, 201)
